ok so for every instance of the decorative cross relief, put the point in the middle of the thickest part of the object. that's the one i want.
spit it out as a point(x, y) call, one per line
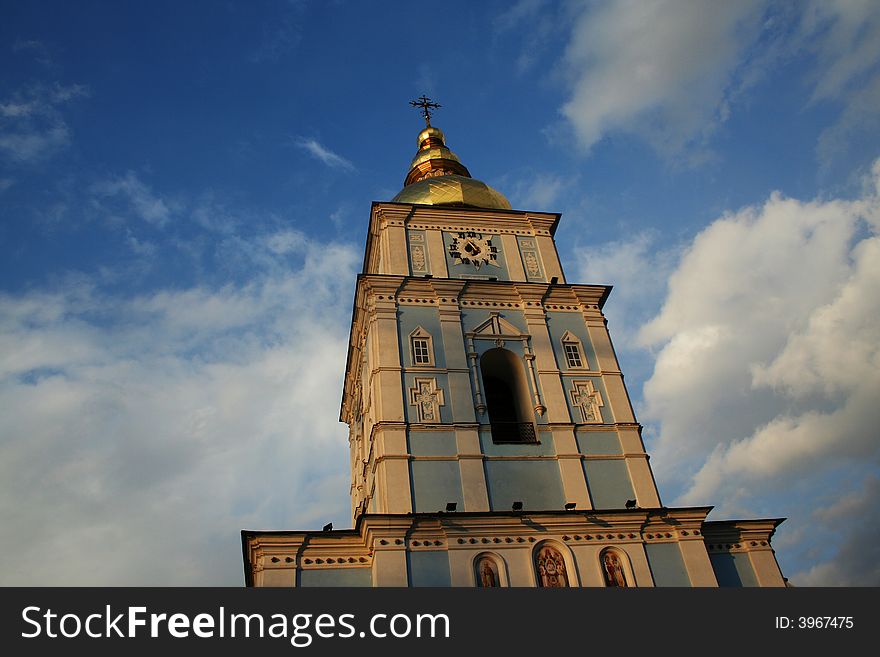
point(588, 400)
point(427, 398)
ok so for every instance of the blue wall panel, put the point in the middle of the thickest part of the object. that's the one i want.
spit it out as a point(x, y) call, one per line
point(598, 442)
point(609, 483)
point(434, 483)
point(432, 443)
point(733, 569)
point(667, 566)
point(327, 577)
point(428, 568)
point(537, 484)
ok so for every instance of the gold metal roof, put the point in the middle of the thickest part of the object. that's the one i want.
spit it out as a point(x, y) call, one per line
point(452, 190)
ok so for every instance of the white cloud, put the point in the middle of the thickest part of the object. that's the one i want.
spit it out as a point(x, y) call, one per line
point(671, 71)
point(31, 125)
point(148, 431)
point(326, 156)
point(768, 365)
point(638, 268)
point(660, 69)
point(767, 310)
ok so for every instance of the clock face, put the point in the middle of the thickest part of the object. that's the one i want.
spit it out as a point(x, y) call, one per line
point(470, 248)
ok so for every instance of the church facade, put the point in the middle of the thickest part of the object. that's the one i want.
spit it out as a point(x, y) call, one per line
point(493, 442)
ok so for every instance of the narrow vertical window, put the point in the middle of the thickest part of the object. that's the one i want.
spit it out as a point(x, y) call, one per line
point(573, 355)
point(571, 349)
point(420, 351)
point(421, 348)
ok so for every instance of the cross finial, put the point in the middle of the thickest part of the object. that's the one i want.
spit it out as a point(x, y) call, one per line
point(427, 105)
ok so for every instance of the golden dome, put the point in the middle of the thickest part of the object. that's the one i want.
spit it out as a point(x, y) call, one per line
point(452, 190)
point(437, 177)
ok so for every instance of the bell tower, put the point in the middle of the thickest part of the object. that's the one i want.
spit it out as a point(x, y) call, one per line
point(476, 375)
point(492, 439)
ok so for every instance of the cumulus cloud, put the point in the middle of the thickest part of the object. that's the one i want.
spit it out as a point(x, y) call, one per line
point(767, 345)
point(147, 431)
point(324, 154)
point(31, 124)
point(638, 268)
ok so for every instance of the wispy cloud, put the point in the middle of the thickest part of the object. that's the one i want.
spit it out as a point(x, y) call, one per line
point(845, 38)
point(37, 48)
point(135, 198)
point(325, 155)
point(31, 124)
point(660, 69)
point(539, 190)
point(672, 71)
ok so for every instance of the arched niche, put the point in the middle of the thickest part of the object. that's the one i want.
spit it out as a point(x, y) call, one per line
point(489, 571)
point(616, 569)
point(554, 567)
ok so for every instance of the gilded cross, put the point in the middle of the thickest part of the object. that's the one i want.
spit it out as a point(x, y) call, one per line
point(427, 105)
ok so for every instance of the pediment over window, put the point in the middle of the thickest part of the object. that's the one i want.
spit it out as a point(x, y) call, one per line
point(568, 336)
point(497, 325)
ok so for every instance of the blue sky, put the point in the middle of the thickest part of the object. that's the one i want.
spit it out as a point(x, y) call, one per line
point(184, 194)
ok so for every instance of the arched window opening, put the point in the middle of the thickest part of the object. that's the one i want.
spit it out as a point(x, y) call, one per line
point(507, 397)
point(612, 569)
point(550, 567)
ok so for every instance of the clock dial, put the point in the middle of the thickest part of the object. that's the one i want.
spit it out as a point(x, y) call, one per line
point(470, 248)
